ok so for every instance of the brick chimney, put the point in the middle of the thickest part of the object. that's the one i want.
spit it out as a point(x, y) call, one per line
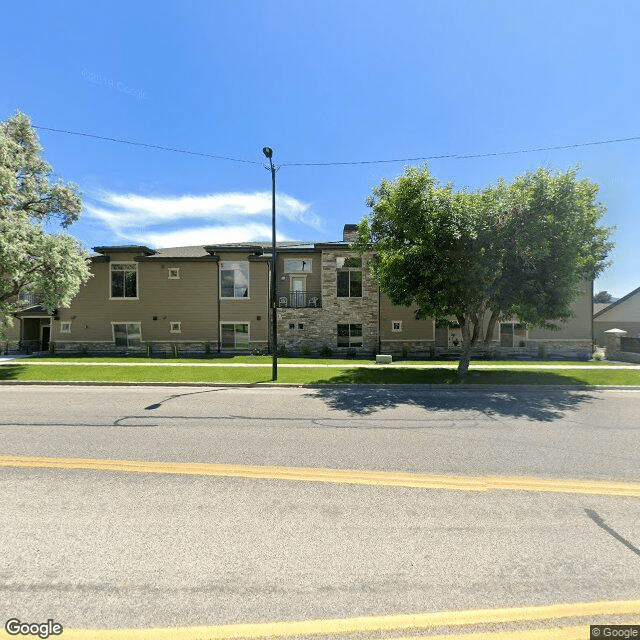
point(349, 233)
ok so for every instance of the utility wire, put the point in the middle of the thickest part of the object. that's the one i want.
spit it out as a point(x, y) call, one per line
point(143, 144)
point(452, 156)
point(461, 156)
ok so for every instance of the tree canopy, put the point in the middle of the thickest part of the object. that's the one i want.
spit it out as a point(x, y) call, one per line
point(53, 265)
point(602, 296)
point(511, 249)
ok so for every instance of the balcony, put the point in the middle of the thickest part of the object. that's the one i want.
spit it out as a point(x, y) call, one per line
point(299, 299)
point(30, 299)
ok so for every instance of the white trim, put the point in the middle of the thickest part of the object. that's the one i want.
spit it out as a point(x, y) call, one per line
point(112, 264)
point(399, 323)
point(113, 333)
point(177, 270)
point(235, 322)
point(309, 262)
point(248, 296)
point(62, 326)
point(172, 330)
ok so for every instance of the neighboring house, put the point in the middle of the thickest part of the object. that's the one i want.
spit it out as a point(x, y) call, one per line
point(621, 314)
point(215, 298)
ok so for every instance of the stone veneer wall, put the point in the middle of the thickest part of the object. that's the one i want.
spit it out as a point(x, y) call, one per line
point(157, 348)
point(320, 325)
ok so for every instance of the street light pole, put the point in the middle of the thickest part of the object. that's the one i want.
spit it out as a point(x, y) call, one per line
point(268, 152)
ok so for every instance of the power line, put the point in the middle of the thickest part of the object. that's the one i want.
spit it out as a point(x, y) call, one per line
point(150, 146)
point(455, 156)
point(452, 156)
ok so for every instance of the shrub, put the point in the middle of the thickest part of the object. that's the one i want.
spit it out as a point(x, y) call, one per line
point(283, 352)
point(207, 348)
point(542, 352)
point(326, 351)
point(306, 350)
point(258, 352)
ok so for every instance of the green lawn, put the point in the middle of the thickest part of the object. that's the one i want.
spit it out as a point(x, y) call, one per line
point(347, 375)
point(267, 360)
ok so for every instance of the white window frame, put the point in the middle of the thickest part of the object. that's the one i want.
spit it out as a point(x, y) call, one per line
point(234, 322)
point(177, 273)
point(175, 327)
point(65, 326)
point(113, 332)
point(396, 326)
point(234, 297)
point(513, 334)
point(113, 264)
point(307, 263)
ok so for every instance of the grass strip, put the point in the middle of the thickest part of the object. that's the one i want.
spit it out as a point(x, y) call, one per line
point(351, 375)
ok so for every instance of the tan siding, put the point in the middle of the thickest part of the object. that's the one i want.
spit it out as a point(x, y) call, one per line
point(412, 329)
point(576, 328)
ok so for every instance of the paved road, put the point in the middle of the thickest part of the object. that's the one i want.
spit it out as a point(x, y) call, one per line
point(113, 550)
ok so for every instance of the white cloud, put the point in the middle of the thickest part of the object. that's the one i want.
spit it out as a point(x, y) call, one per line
point(167, 221)
point(207, 235)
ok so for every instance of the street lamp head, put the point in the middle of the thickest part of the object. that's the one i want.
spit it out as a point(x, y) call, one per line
point(267, 151)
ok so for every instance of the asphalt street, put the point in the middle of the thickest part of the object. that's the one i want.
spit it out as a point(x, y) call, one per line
point(116, 550)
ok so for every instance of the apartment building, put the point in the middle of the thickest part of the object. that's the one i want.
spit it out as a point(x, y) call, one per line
point(216, 298)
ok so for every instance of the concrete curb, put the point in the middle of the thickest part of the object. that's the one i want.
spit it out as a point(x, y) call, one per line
point(281, 385)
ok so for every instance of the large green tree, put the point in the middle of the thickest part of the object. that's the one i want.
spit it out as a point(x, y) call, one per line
point(51, 264)
point(512, 249)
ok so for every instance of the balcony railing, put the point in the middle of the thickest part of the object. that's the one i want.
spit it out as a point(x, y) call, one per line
point(30, 299)
point(299, 299)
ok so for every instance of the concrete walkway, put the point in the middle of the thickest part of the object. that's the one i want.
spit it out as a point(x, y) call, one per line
point(24, 360)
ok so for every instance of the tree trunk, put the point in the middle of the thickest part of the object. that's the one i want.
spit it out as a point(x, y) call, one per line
point(467, 344)
point(491, 326)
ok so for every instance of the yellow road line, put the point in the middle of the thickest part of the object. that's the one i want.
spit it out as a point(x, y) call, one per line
point(338, 476)
point(424, 621)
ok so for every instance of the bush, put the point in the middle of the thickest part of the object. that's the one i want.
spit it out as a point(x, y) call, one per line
point(258, 352)
point(306, 350)
point(283, 352)
point(326, 351)
point(542, 352)
point(207, 348)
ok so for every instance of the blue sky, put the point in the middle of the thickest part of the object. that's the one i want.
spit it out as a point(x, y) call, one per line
point(320, 81)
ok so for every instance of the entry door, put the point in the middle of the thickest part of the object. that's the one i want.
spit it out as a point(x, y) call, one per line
point(46, 336)
point(298, 292)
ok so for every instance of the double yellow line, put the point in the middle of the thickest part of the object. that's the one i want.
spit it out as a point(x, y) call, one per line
point(336, 476)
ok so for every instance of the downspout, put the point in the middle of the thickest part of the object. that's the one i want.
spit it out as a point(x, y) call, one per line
point(379, 333)
point(218, 330)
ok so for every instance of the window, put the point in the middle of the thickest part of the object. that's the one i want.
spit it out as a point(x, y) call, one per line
point(513, 334)
point(349, 284)
point(124, 280)
point(126, 334)
point(292, 325)
point(349, 335)
point(65, 327)
point(346, 263)
point(175, 327)
point(234, 280)
point(174, 273)
point(297, 265)
point(235, 336)
point(396, 326)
